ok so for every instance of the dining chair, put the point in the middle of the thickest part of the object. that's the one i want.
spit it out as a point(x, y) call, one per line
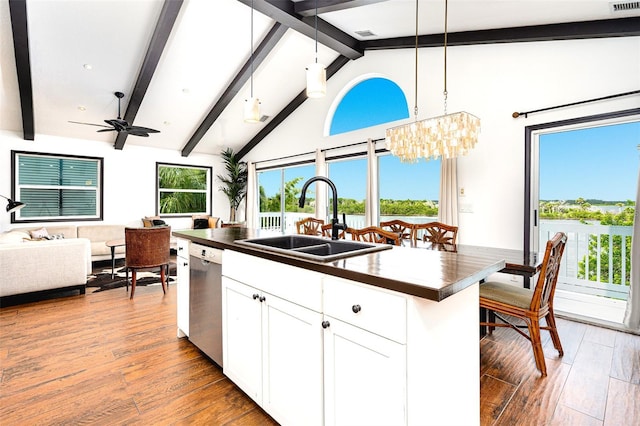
point(528, 305)
point(147, 248)
point(374, 234)
point(400, 227)
point(436, 233)
point(327, 229)
point(310, 226)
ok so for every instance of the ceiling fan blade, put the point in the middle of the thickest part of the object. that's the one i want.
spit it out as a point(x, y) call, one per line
point(107, 130)
point(142, 129)
point(138, 133)
point(119, 125)
point(88, 124)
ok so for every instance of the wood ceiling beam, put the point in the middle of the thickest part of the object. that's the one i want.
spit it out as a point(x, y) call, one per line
point(333, 68)
point(308, 7)
point(621, 27)
point(262, 51)
point(328, 35)
point(166, 20)
point(18, 12)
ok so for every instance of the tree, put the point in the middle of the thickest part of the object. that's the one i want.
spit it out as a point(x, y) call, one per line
point(234, 184)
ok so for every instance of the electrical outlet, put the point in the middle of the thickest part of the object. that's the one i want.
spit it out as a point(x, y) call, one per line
point(462, 192)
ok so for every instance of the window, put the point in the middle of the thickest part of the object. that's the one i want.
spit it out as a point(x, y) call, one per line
point(280, 190)
point(372, 101)
point(408, 191)
point(183, 190)
point(57, 187)
point(350, 178)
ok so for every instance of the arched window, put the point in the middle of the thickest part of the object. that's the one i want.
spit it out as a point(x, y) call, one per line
point(370, 102)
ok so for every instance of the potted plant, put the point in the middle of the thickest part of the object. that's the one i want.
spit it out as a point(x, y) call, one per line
point(234, 183)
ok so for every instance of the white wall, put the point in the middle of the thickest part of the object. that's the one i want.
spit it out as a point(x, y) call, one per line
point(490, 81)
point(129, 175)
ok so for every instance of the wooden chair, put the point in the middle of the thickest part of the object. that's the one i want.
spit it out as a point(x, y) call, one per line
point(374, 234)
point(400, 227)
point(528, 305)
point(310, 226)
point(327, 229)
point(437, 233)
point(147, 248)
point(203, 221)
point(233, 225)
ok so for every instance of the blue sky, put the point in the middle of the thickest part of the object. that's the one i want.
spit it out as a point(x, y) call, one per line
point(599, 163)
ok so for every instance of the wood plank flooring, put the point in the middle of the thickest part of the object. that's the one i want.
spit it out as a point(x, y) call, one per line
point(103, 359)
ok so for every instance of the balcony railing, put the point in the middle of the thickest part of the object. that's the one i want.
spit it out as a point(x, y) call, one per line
point(606, 244)
point(591, 280)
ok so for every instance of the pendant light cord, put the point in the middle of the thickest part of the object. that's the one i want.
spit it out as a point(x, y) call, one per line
point(316, 25)
point(445, 93)
point(415, 99)
point(252, 49)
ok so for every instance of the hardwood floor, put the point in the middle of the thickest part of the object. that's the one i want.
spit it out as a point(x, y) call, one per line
point(103, 359)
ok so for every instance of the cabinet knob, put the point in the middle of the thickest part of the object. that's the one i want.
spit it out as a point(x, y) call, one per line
point(356, 308)
point(180, 248)
point(262, 298)
point(325, 324)
point(256, 296)
point(185, 264)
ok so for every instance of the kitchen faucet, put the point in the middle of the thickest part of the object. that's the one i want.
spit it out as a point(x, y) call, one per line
point(335, 223)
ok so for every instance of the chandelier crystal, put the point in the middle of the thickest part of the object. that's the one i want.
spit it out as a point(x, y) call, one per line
point(446, 136)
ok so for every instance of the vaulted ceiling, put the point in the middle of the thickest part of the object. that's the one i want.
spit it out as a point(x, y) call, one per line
point(185, 65)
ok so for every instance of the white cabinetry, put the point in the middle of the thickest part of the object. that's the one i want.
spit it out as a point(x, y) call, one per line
point(272, 346)
point(364, 355)
point(182, 292)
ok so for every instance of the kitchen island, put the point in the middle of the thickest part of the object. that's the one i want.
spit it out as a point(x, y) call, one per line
point(389, 337)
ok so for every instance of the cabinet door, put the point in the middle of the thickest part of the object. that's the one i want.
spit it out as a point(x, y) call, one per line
point(292, 362)
point(182, 292)
point(365, 377)
point(242, 337)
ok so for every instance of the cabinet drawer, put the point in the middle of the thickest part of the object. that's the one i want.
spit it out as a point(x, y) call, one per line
point(364, 306)
point(291, 283)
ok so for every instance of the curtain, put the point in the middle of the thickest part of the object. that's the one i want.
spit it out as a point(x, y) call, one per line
point(632, 313)
point(371, 201)
point(321, 196)
point(251, 201)
point(448, 205)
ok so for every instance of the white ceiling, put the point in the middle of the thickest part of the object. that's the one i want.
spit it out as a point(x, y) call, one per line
point(209, 44)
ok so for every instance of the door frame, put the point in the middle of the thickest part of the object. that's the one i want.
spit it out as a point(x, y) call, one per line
point(531, 219)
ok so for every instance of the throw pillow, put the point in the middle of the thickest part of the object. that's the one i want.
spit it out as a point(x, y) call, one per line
point(13, 237)
point(55, 237)
point(39, 233)
point(200, 223)
point(158, 222)
point(147, 223)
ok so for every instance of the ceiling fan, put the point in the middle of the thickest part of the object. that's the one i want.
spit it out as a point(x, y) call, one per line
point(120, 125)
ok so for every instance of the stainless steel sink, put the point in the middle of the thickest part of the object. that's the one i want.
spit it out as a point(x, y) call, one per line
point(313, 248)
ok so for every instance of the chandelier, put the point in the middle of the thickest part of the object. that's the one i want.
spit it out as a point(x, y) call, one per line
point(446, 136)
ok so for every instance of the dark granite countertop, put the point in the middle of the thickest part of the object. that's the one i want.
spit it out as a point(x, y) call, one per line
point(429, 274)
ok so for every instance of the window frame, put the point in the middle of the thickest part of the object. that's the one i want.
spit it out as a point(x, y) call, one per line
point(16, 188)
point(208, 191)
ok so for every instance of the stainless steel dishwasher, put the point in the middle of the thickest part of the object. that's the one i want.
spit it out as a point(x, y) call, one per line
point(205, 300)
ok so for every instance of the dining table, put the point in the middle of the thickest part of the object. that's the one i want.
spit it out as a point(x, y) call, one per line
point(517, 262)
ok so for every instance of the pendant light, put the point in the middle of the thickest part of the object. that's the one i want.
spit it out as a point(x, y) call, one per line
point(252, 105)
point(446, 136)
point(316, 73)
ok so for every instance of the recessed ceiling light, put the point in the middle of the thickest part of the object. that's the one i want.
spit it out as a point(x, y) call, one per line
point(82, 108)
point(167, 122)
point(185, 90)
point(87, 66)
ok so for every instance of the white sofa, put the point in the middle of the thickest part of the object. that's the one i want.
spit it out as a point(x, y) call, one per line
point(37, 266)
